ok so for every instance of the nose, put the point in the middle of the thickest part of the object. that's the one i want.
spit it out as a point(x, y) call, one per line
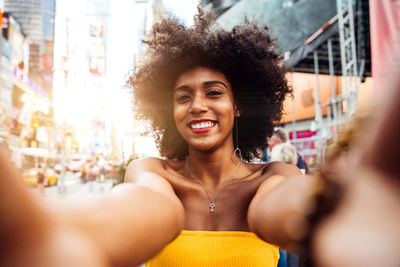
point(199, 105)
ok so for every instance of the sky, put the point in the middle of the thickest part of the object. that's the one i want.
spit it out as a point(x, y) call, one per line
point(184, 9)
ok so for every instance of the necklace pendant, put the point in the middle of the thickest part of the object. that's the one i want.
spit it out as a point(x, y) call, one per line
point(212, 207)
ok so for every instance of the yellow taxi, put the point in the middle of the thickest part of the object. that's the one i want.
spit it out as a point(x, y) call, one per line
point(30, 177)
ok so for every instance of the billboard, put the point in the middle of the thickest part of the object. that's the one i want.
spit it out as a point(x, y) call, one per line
point(46, 58)
point(303, 103)
point(96, 30)
point(97, 65)
point(97, 62)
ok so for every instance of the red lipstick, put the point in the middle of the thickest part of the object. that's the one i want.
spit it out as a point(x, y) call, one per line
point(201, 126)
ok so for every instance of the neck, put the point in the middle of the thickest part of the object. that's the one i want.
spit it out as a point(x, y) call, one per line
point(213, 168)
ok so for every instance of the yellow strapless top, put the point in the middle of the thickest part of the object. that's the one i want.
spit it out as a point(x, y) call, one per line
point(216, 249)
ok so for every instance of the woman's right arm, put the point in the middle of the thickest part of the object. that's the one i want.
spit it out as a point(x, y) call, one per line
point(125, 227)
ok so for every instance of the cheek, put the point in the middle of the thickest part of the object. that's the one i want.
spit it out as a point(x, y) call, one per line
point(179, 115)
point(227, 110)
point(175, 112)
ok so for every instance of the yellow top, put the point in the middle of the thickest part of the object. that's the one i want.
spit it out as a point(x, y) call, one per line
point(216, 249)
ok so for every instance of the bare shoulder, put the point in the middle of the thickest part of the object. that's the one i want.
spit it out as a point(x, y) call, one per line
point(149, 173)
point(276, 173)
point(281, 168)
point(140, 166)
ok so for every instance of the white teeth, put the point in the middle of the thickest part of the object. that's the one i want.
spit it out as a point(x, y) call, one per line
point(201, 125)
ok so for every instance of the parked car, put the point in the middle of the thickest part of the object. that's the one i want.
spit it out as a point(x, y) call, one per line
point(30, 177)
point(77, 160)
point(51, 178)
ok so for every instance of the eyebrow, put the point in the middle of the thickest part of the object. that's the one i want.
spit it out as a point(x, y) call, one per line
point(185, 87)
point(182, 87)
point(215, 82)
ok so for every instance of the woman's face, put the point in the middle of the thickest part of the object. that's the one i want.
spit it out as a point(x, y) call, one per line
point(204, 108)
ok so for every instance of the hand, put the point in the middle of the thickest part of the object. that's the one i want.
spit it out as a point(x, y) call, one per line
point(364, 229)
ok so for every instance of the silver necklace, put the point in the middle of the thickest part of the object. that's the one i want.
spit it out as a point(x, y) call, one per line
point(212, 201)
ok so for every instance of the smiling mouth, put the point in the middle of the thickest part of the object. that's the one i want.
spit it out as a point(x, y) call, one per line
point(202, 125)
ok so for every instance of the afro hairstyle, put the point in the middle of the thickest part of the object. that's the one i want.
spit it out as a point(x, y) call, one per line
point(247, 55)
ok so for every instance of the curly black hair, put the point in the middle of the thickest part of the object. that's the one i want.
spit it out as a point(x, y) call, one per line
point(246, 56)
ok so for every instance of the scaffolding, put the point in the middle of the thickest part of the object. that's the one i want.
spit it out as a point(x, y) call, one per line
point(340, 107)
point(350, 79)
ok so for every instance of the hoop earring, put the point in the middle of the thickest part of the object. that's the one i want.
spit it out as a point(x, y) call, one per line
point(237, 153)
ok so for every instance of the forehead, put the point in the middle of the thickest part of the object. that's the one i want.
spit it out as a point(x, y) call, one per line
point(199, 75)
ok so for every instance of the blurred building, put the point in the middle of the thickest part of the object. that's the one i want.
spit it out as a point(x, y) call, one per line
point(81, 75)
point(94, 52)
point(219, 6)
point(36, 18)
point(154, 12)
point(26, 73)
point(29, 15)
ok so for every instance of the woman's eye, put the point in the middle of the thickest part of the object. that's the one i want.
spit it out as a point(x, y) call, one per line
point(214, 93)
point(182, 98)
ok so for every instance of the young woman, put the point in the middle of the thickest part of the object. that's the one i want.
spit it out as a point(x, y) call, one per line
point(212, 97)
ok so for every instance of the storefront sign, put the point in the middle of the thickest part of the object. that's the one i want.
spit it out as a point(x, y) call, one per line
point(27, 83)
point(96, 30)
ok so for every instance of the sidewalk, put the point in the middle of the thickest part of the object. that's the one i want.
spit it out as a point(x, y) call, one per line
point(77, 189)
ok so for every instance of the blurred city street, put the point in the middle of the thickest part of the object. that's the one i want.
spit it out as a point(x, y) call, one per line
point(87, 86)
point(73, 187)
point(65, 114)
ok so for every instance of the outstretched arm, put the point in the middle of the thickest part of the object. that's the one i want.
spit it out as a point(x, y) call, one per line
point(272, 212)
point(126, 227)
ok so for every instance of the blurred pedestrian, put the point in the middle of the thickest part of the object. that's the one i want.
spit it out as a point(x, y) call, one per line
point(58, 168)
point(41, 176)
point(92, 171)
point(284, 152)
point(280, 136)
point(93, 174)
point(84, 172)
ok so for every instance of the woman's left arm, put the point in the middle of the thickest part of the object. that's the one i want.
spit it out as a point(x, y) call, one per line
point(277, 212)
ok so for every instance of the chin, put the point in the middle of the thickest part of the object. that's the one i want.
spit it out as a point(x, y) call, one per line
point(204, 146)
